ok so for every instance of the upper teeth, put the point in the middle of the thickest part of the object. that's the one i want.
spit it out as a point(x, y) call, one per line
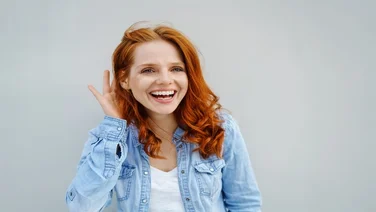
point(163, 92)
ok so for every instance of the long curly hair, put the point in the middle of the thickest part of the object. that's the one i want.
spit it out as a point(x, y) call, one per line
point(197, 113)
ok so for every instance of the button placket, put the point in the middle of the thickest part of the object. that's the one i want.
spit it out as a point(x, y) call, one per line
point(145, 184)
point(182, 155)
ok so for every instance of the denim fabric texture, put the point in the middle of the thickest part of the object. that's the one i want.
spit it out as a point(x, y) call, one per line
point(206, 185)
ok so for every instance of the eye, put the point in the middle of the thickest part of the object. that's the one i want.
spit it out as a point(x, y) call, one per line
point(147, 71)
point(177, 69)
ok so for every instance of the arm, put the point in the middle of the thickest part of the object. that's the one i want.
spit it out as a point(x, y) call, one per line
point(240, 189)
point(99, 167)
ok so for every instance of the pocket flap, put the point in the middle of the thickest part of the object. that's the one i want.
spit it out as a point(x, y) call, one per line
point(210, 167)
point(127, 171)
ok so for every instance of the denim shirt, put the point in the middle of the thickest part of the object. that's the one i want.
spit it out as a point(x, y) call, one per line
point(212, 184)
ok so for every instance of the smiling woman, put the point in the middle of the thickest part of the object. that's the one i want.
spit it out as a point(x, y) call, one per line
point(157, 78)
point(165, 143)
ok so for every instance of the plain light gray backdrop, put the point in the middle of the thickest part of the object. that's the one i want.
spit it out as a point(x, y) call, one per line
point(299, 76)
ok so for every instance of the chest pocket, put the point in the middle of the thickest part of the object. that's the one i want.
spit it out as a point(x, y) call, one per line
point(124, 183)
point(209, 176)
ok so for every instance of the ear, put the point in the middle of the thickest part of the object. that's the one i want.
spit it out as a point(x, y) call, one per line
point(125, 85)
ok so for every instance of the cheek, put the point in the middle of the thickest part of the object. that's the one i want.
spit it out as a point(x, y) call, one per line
point(183, 81)
point(139, 85)
point(139, 96)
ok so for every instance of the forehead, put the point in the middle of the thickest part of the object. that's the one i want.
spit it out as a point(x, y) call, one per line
point(158, 52)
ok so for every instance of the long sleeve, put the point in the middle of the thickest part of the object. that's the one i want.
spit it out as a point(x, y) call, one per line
point(99, 167)
point(240, 189)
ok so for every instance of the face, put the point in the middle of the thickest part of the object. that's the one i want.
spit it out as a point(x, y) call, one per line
point(157, 78)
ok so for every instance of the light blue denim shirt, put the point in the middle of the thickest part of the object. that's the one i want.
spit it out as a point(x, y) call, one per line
point(206, 185)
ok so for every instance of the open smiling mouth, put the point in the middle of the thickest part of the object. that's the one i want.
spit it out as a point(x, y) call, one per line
point(163, 95)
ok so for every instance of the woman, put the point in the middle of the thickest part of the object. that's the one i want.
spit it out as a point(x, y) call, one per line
point(164, 143)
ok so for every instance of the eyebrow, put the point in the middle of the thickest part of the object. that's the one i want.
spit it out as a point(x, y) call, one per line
point(154, 64)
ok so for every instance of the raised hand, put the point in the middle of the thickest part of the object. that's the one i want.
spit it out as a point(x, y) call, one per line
point(107, 99)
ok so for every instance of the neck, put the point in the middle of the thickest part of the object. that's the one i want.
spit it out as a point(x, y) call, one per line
point(164, 125)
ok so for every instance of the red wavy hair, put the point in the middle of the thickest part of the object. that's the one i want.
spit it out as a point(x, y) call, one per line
point(197, 113)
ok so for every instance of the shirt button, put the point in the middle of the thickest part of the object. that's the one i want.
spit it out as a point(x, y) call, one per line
point(187, 199)
point(182, 171)
point(180, 146)
point(146, 173)
point(212, 170)
point(119, 128)
point(144, 200)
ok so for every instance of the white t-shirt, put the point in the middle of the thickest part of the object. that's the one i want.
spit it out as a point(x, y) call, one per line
point(165, 194)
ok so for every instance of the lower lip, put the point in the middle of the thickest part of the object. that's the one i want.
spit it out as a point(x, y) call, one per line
point(164, 101)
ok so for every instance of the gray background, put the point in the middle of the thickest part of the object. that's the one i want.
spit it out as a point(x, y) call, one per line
point(299, 76)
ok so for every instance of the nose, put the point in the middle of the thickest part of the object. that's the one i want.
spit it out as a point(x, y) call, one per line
point(164, 77)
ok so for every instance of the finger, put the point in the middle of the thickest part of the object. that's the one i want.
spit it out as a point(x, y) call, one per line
point(95, 92)
point(113, 84)
point(106, 82)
